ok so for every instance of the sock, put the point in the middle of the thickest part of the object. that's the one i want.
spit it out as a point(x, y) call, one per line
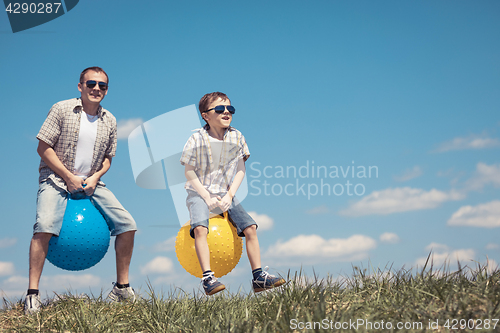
point(256, 273)
point(32, 292)
point(207, 273)
point(121, 286)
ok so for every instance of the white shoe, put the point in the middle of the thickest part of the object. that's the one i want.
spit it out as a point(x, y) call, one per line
point(123, 294)
point(32, 304)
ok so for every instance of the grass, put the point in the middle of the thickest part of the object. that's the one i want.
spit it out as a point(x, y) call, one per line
point(421, 301)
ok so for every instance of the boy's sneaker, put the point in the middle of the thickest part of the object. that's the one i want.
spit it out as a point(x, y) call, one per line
point(266, 281)
point(121, 294)
point(32, 304)
point(211, 285)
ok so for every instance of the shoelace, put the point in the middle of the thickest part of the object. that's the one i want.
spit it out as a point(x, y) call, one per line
point(31, 301)
point(120, 295)
point(211, 279)
point(265, 274)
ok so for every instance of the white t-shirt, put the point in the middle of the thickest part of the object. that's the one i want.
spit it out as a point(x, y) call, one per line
point(85, 145)
point(216, 148)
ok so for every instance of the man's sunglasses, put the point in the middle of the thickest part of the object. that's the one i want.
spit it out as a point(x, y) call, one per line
point(102, 85)
point(221, 108)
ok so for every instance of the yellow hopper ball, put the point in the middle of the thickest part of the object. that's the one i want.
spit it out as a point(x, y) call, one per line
point(223, 242)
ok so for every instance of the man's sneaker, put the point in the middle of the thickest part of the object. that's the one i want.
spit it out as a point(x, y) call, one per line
point(121, 294)
point(211, 285)
point(266, 281)
point(32, 304)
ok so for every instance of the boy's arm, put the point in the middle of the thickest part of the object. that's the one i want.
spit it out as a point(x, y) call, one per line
point(238, 178)
point(192, 178)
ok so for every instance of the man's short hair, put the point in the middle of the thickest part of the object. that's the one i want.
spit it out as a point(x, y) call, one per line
point(95, 69)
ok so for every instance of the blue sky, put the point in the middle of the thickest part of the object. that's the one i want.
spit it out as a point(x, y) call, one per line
point(410, 88)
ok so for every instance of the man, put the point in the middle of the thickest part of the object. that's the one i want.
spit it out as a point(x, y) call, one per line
point(76, 144)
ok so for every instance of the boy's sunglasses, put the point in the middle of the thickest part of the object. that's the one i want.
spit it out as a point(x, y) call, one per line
point(221, 108)
point(102, 85)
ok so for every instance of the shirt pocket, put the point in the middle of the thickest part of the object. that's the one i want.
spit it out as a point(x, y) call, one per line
point(102, 142)
point(232, 154)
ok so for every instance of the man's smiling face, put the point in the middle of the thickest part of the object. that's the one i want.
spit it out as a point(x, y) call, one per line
point(93, 95)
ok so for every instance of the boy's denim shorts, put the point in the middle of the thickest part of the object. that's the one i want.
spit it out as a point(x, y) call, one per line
point(198, 211)
point(51, 205)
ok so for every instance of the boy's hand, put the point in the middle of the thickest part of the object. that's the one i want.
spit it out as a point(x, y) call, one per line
point(225, 202)
point(212, 202)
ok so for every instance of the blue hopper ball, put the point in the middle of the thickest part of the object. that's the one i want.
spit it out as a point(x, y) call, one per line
point(84, 237)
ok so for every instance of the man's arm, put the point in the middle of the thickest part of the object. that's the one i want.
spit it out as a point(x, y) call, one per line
point(192, 178)
point(91, 182)
point(48, 155)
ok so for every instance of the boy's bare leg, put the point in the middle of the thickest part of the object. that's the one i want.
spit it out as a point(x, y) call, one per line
point(124, 245)
point(38, 252)
point(201, 246)
point(253, 248)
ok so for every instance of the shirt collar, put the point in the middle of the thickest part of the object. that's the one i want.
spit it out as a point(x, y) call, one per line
point(206, 127)
point(100, 111)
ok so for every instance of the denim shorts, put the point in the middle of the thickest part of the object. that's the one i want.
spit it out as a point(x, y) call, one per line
point(198, 211)
point(51, 205)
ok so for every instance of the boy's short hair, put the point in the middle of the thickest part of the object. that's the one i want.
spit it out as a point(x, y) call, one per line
point(95, 69)
point(209, 98)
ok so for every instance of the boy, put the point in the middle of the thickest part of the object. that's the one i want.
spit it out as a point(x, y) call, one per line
point(214, 160)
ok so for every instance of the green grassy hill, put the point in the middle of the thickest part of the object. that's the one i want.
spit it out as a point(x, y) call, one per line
point(467, 300)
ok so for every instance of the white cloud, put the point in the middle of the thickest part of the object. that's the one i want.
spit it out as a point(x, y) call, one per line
point(159, 265)
point(485, 216)
point(408, 174)
point(314, 247)
point(492, 246)
point(472, 141)
point(126, 126)
point(320, 210)
point(15, 282)
point(6, 268)
point(14, 286)
point(171, 282)
point(401, 199)
point(263, 221)
point(436, 247)
point(484, 175)
point(70, 281)
point(7, 242)
point(438, 259)
point(165, 246)
point(389, 237)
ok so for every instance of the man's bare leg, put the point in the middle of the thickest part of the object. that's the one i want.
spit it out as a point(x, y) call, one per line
point(124, 245)
point(38, 252)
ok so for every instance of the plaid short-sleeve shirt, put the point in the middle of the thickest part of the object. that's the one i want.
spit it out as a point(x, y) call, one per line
point(60, 131)
point(215, 176)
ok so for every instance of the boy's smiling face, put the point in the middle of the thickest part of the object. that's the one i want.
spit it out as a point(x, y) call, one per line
point(216, 120)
